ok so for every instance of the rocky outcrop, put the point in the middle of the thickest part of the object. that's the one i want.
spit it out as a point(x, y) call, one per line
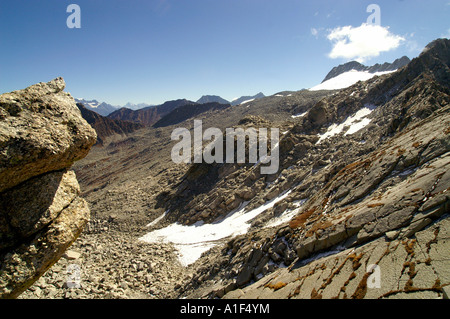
point(42, 134)
point(211, 99)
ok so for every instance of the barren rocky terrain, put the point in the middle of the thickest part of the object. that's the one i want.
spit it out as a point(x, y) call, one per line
point(360, 202)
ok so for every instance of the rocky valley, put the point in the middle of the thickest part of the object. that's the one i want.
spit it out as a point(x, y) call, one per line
point(358, 208)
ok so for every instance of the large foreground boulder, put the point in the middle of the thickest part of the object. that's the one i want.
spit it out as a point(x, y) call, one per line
point(41, 130)
point(42, 133)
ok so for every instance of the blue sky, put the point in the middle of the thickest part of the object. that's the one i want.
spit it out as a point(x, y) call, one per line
point(157, 50)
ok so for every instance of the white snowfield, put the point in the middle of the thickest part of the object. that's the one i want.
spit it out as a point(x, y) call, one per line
point(346, 79)
point(192, 241)
point(299, 115)
point(91, 104)
point(355, 123)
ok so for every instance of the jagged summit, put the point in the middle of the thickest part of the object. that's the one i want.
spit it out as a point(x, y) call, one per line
point(354, 65)
point(101, 108)
point(350, 73)
point(42, 213)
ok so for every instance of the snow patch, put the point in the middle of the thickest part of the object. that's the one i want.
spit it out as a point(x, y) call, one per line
point(299, 115)
point(356, 122)
point(358, 126)
point(192, 241)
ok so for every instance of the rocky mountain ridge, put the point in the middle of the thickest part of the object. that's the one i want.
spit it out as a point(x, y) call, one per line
point(104, 126)
point(354, 65)
point(103, 108)
point(149, 115)
point(363, 182)
point(212, 98)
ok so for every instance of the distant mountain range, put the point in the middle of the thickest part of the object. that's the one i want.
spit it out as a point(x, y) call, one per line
point(106, 109)
point(106, 127)
point(148, 115)
point(212, 98)
point(169, 113)
point(218, 99)
point(173, 112)
point(139, 106)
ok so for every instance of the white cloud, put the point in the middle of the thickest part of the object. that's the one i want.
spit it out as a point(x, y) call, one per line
point(363, 42)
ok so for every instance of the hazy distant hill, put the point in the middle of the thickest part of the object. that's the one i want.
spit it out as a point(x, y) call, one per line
point(354, 65)
point(185, 112)
point(149, 115)
point(212, 98)
point(102, 108)
point(106, 127)
point(247, 98)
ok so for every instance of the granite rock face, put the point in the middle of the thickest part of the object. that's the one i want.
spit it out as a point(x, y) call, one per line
point(41, 212)
point(41, 130)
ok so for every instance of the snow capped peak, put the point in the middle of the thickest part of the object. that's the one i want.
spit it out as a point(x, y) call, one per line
point(346, 79)
point(353, 124)
point(347, 74)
